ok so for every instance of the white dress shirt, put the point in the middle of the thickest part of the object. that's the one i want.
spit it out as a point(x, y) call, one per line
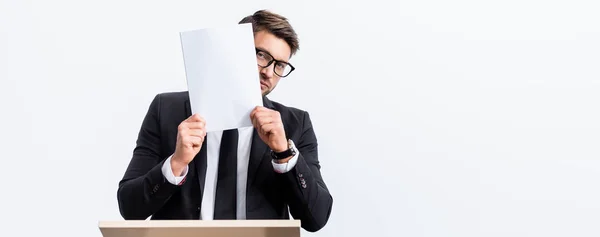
point(213, 144)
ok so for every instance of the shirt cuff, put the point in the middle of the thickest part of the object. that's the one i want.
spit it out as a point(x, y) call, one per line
point(168, 173)
point(285, 167)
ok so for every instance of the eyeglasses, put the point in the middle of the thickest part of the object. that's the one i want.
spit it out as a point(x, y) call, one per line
point(265, 59)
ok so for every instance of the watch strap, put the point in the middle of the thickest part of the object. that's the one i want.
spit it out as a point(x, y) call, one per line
point(291, 151)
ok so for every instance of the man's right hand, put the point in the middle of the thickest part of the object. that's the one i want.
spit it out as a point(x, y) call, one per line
point(190, 136)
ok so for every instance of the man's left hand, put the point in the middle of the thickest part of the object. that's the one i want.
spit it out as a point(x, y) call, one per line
point(269, 126)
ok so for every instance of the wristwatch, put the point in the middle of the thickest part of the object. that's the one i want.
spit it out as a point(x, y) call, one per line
point(291, 151)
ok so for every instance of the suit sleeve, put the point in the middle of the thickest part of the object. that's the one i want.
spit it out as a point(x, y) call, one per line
point(307, 195)
point(144, 189)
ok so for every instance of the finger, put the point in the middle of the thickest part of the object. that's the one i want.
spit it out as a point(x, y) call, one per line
point(196, 125)
point(267, 128)
point(265, 119)
point(271, 113)
point(192, 140)
point(262, 109)
point(196, 133)
point(255, 122)
point(254, 119)
point(268, 111)
point(254, 111)
point(263, 113)
point(195, 118)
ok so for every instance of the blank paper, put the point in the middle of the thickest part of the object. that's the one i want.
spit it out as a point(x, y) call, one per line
point(222, 75)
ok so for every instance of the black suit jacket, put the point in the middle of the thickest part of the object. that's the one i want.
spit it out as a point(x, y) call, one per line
point(145, 192)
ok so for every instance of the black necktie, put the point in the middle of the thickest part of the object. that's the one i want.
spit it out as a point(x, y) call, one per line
point(225, 197)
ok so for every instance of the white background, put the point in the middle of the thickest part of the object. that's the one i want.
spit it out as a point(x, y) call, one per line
point(434, 118)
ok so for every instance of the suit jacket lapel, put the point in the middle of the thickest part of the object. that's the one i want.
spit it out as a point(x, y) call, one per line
point(258, 150)
point(200, 159)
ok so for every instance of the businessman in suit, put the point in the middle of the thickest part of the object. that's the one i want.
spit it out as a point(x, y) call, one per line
point(179, 171)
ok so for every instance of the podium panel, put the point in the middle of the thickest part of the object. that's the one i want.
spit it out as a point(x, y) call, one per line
point(199, 228)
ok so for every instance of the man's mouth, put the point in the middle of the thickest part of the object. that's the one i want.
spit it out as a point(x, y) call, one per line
point(264, 84)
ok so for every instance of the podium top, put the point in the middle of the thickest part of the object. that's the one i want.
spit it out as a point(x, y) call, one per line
point(185, 228)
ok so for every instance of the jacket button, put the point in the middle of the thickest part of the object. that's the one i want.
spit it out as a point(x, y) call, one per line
point(304, 185)
point(300, 175)
point(303, 182)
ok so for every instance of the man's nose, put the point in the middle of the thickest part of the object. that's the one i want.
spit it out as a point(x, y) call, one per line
point(267, 71)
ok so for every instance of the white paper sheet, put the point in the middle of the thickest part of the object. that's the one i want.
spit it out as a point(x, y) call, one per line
point(222, 75)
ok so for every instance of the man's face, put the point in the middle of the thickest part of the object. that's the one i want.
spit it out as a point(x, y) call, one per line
point(273, 47)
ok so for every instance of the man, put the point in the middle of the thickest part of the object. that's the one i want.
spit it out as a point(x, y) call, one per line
point(178, 171)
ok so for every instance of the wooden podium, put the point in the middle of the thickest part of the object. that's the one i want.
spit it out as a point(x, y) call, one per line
point(198, 228)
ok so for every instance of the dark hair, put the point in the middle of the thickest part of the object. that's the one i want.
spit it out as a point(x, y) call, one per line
point(274, 24)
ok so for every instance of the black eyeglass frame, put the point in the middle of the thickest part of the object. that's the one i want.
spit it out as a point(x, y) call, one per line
point(292, 68)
